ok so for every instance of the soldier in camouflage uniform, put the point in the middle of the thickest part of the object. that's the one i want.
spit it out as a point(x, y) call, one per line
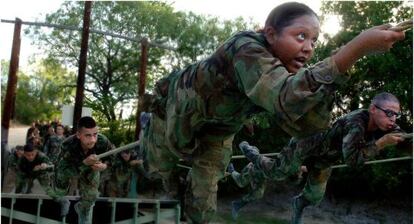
point(33, 165)
point(123, 166)
point(197, 111)
point(354, 138)
point(10, 177)
point(78, 158)
point(52, 146)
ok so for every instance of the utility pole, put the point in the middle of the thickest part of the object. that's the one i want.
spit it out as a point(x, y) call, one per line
point(141, 84)
point(80, 85)
point(10, 96)
point(11, 83)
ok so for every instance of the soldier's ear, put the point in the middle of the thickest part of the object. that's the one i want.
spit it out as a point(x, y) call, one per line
point(78, 135)
point(270, 34)
point(371, 109)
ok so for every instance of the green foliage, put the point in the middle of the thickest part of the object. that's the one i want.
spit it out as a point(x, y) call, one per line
point(41, 95)
point(119, 132)
point(111, 76)
point(4, 78)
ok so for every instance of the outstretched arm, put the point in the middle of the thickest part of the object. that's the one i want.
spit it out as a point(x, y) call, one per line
point(374, 40)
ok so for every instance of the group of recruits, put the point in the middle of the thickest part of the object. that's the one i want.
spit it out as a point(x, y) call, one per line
point(77, 158)
point(196, 112)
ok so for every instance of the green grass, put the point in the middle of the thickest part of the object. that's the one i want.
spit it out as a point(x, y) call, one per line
point(248, 218)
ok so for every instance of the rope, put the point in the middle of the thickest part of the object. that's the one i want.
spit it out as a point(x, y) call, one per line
point(75, 28)
point(333, 167)
point(377, 161)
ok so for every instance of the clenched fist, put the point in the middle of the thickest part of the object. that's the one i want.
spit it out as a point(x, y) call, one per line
point(389, 139)
point(90, 160)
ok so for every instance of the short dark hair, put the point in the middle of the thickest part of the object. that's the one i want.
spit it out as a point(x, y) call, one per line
point(86, 122)
point(283, 15)
point(380, 98)
point(28, 148)
point(19, 147)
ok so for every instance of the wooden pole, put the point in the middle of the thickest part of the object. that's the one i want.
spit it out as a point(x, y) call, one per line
point(80, 85)
point(11, 83)
point(141, 84)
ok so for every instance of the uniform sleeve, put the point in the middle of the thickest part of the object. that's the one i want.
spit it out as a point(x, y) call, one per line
point(268, 84)
point(355, 149)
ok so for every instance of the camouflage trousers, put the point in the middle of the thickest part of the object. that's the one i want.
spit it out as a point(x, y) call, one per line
point(88, 182)
point(209, 161)
point(289, 161)
point(23, 180)
point(249, 175)
point(9, 181)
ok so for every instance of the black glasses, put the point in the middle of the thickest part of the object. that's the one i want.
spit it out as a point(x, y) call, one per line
point(389, 113)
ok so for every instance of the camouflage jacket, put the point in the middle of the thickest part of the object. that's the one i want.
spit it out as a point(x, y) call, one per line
point(52, 147)
point(72, 154)
point(12, 164)
point(214, 97)
point(25, 167)
point(349, 139)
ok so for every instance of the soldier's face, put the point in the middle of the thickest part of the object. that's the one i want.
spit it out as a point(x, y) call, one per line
point(30, 156)
point(294, 46)
point(59, 130)
point(379, 114)
point(87, 137)
point(19, 153)
point(126, 156)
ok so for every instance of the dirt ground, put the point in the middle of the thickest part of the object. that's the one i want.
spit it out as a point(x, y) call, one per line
point(277, 205)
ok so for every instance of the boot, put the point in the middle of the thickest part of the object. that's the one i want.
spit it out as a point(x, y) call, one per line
point(298, 204)
point(251, 152)
point(84, 217)
point(235, 208)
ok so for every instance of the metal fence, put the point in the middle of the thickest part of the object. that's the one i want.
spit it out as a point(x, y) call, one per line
point(38, 208)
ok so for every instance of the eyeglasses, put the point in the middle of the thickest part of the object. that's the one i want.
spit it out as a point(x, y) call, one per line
point(389, 113)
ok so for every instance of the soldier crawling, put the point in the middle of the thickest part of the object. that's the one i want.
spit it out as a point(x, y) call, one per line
point(354, 138)
point(124, 165)
point(78, 158)
point(33, 165)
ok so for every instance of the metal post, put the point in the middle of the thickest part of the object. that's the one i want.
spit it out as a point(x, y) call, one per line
point(157, 212)
point(11, 83)
point(113, 211)
point(39, 205)
point(13, 201)
point(141, 83)
point(135, 218)
point(177, 213)
point(80, 85)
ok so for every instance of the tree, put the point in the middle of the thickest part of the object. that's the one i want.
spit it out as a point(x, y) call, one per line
point(111, 77)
